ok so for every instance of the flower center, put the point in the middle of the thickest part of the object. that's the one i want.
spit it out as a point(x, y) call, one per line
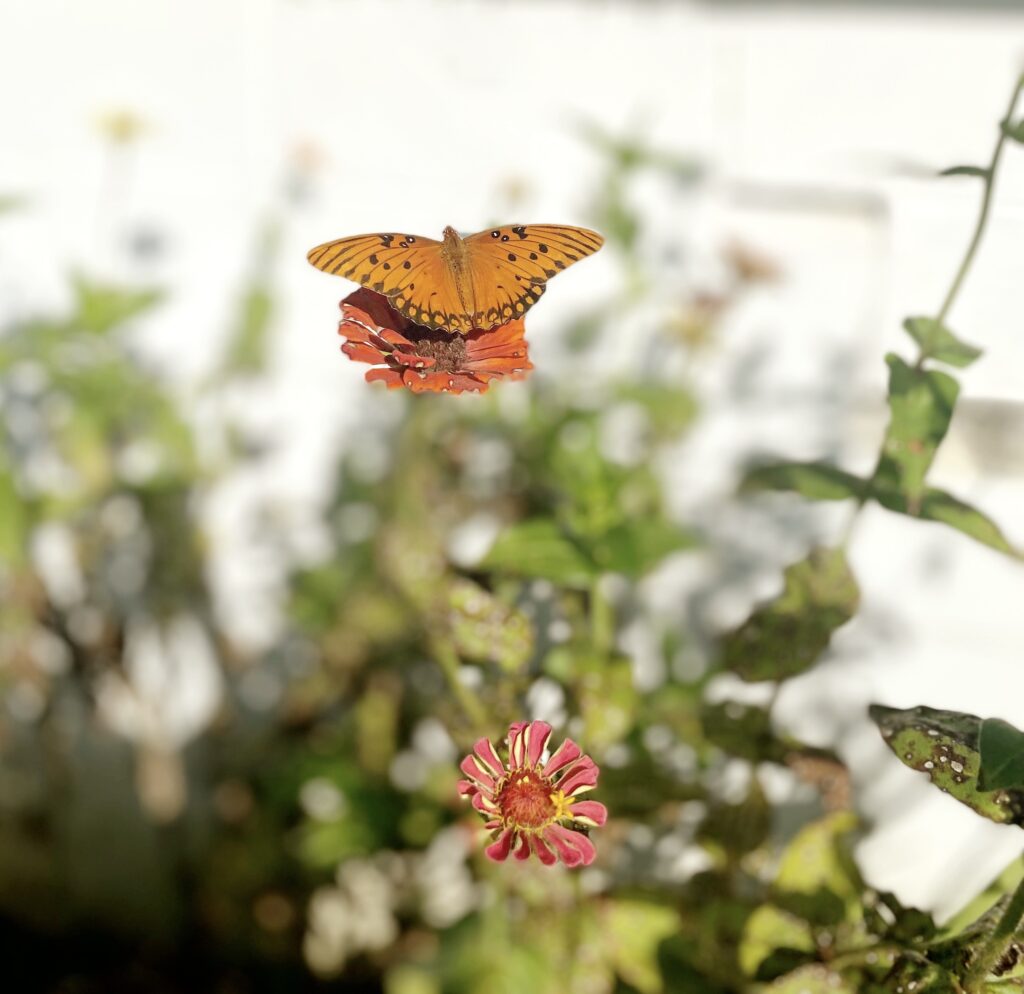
point(447, 350)
point(526, 800)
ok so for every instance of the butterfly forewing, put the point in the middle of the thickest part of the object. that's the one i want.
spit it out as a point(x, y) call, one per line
point(501, 274)
point(408, 269)
point(510, 265)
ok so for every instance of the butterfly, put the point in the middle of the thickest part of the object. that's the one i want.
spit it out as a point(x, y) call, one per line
point(459, 284)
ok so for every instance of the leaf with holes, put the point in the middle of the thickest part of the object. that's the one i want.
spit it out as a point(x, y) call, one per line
point(921, 403)
point(786, 636)
point(939, 343)
point(815, 480)
point(945, 745)
point(1002, 756)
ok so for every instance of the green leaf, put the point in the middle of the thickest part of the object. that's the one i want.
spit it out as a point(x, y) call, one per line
point(1002, 756)
point(742, 730)
point(737, 828)
point(815, 480)
point(670, 409)
point(785, 637)
point(915, 973)
point(768, 931)
point(939, 343)
point(979, 171)
point(945, 745)
point(937, 505)
point(485, 629)
point(636, 546)
point(817, 877)
point(813, 979)
point(539, 548)
point(102, 307)
point(633, 930)
point(921, 403)
point(1013, 130)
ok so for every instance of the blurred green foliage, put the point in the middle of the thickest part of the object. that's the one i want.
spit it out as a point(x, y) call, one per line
point(183, 811)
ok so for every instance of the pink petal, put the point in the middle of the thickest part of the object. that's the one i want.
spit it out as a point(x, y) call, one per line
point(488, 757)
point(516, 746)
point(475, 770)
point(580, 777)
point(544, 854)
point(467, 787)
point(483, 803)
point(573, 847)
point(537, 735)
point(499, 850)
point(589, 812)
point(565, 754)
point(523, 852)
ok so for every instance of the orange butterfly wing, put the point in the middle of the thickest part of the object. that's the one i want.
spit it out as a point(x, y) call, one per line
point(501, 272)
point(509, 266)
point(408, 269)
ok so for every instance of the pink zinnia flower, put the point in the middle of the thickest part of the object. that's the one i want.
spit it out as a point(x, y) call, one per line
point(527, 801)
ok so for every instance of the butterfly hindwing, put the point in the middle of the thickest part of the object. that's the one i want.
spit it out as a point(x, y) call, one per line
point(511, 265)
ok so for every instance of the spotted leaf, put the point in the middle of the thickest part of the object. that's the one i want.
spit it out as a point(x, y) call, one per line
point(945, 745)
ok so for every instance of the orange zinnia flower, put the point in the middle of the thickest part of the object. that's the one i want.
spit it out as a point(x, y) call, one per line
point(405, 354)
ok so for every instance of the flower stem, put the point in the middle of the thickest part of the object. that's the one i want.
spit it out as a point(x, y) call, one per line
point(986, 201)
point(995, 947)
point(448, 659)
point(602, 619)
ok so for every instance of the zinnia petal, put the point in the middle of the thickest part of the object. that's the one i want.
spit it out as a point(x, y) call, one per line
point(566, 753)
point(498, 851)
point(589, 812)
point(581, 776)
point(573, 847)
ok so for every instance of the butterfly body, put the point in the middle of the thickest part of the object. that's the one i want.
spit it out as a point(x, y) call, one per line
point(459, 284)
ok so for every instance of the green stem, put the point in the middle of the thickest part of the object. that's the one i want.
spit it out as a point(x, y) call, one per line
point(448, 659)
point(995, 947)
point(986, 202)
point(602, 619)
point(961, 273)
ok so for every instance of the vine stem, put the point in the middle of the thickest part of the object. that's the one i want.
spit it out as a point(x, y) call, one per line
point(448, 659)
point(986, 202)
point(996, 945)
point(962, 271)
